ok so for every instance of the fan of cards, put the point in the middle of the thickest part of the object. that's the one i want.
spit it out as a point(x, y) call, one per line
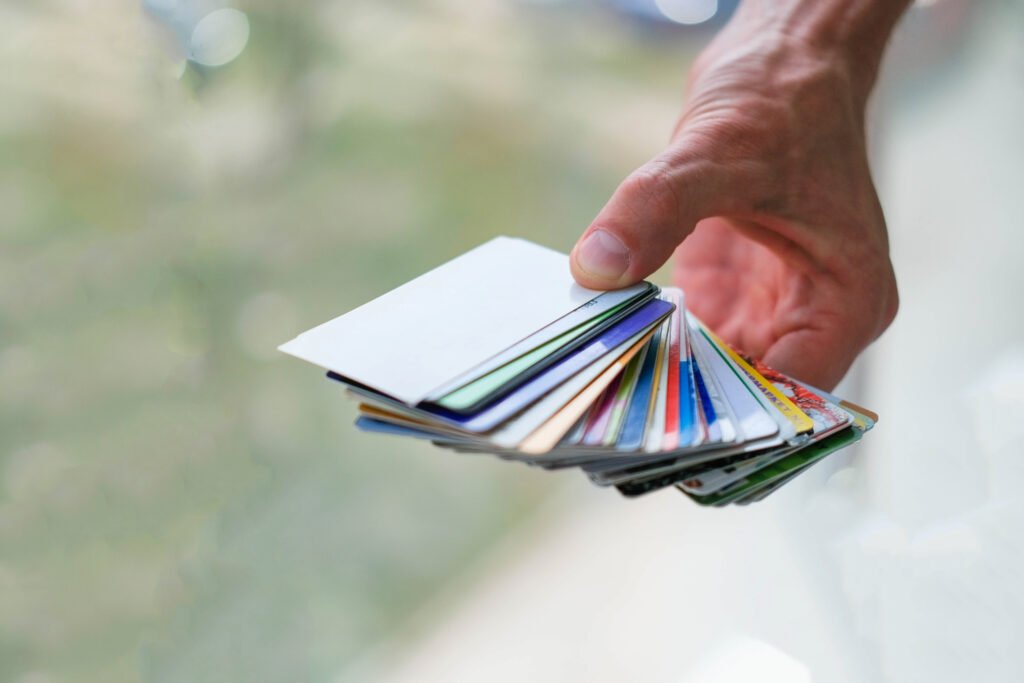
point(499, 351)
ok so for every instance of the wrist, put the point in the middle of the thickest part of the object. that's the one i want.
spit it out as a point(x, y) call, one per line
point(849, 36)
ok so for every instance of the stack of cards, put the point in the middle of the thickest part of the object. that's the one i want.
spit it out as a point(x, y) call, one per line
point(499, 351)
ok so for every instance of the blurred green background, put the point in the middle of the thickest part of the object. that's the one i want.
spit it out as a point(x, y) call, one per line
point(179, 501)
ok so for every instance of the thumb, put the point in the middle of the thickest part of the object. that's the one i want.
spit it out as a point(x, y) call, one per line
point(651, 212)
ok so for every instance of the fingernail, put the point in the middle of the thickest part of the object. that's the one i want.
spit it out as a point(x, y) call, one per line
point(603, 255)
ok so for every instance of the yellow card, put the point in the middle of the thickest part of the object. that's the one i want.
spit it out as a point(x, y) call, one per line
point(798, 418)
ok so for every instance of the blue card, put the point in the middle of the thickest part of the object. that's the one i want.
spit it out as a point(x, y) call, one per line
point(714, 428)
point(373, 425)
point(689, 429)
point(632, 435)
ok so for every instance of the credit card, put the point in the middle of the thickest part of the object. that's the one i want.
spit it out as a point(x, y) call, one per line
point(547, 436)
point(476, 394)
point(626, 385)
point(508, 406)
point(708, 416)
point(511, 434)
point(779, 472)
point(575, 435)
point(604, 302)
point(670, 441)
point(635, 423)
point(413, 339)
point(623, 396)
point(594, 434)
point(691, 432)
point(656, 425)
point(492, 416)
point(832, 419)
point(365, 423)
point(753, 420)
point(724, 419)
point(824, 416)
point(765, 476)
point(802, 424)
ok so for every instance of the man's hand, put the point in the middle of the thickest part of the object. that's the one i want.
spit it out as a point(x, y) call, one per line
point(765, 193)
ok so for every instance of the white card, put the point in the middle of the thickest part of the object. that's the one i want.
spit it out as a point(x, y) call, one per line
point(753, 419)
point(419, 336)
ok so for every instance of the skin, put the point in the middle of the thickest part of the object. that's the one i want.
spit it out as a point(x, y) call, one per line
point(764, 193)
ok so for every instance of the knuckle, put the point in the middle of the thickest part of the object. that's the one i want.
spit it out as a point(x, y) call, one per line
point(653, 187)
point(737, 136)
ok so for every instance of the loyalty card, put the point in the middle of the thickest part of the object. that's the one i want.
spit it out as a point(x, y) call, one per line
point(657, 478)
point(711, 430)
point(787, 431)
point(417, 337)
point(623, 396)
point(861, 421)
point(713, 479)
point(473, 395)
point(767, 475)
point(692, 432)
point(513, 433)
point(399, 416)
point(575, 435)
point(825, 416)
point(650, 472)
point(706, 477)
point(639, 480)
point(753, 421)
point(710, 480)
point(606, 307)
point(606, 415)
point(518, 400)
point(802, 424)
point(721, 428)
point(635, 422)
point(367, 423)
point(860, 414)
point(572, 452)
point(647, 316)
point(785, 469)
point(670, 441)
point(556, 412)
point(601, 413)
point(765, 491)
point(757, 430)
point(548, 435)
point(656, 424)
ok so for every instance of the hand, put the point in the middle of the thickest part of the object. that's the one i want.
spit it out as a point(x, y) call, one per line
point(765, 190)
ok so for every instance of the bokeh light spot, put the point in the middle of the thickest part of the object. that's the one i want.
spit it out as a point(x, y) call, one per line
point(688, 11)
point(219, 37)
